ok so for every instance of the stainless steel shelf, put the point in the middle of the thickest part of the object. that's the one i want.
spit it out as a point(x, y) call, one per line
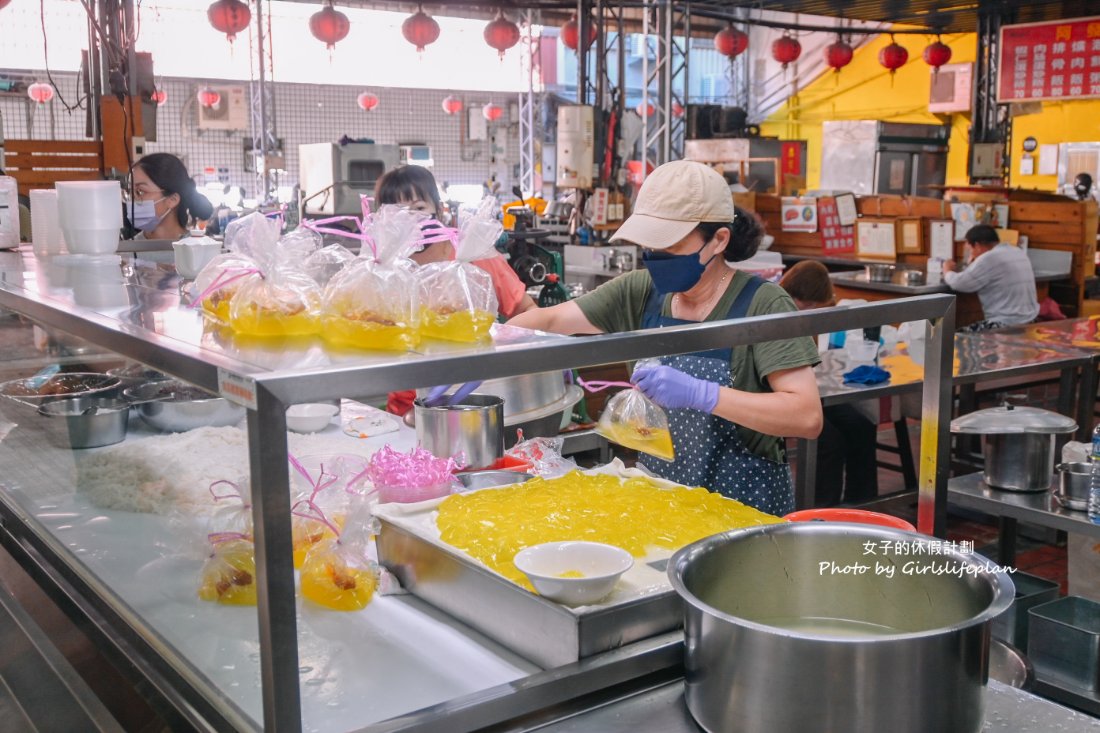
point(1039, 508)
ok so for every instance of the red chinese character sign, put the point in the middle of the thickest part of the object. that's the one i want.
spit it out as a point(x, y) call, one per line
point(835, 237)
point(1056, 60)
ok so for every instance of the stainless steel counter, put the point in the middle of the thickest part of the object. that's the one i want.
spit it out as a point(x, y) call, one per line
point(859, 280)
point(1040, 508)
point(661, 709)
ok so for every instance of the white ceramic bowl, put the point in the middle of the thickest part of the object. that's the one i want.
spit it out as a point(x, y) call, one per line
point(573, 573)
point(310, 417)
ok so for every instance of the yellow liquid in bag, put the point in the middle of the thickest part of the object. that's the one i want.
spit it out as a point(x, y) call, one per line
point(492, 525)
point(368, 334)
point(219, 309)
point(329, 582)
point(305, 534)
point(463, 326)
point(230, 576)
point(655, 442)
point(273, 323)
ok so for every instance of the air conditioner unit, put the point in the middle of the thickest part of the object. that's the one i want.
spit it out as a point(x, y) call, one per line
point(639, 47)
point(230, 113)
point(952, 89)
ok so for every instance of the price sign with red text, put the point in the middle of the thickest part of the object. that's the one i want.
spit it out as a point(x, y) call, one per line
point(1055, 60)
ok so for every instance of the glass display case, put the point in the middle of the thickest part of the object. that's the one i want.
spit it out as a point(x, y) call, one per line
point(119, 531)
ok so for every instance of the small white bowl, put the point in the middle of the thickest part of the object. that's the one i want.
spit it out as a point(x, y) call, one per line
point(310, 417)
point(549, 565)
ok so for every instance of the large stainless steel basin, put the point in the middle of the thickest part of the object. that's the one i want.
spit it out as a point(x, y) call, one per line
point(785, 632)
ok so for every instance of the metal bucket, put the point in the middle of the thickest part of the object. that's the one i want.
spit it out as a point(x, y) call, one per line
point(783, 632)
point(474, 427)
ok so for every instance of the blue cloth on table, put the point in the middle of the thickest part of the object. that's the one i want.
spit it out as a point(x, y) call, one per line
point(866, 375)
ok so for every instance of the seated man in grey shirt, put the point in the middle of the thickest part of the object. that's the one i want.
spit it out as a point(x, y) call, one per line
point(1002, 277)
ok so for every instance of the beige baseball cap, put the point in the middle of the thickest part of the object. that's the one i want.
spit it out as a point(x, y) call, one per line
point(672, 201)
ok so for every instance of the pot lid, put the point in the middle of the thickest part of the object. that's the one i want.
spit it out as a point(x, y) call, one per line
point(1010, 419)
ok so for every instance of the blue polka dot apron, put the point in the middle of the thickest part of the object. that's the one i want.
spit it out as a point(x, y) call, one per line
point(709, 451)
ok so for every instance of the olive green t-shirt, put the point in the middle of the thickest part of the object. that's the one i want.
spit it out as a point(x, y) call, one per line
point(619, 305)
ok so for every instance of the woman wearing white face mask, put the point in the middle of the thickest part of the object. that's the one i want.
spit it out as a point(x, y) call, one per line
point(163, 202)
point(728, 408)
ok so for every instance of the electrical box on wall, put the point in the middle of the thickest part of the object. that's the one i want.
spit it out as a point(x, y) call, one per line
point(987, 160)
point(576, 146)
point(230, 113)
point(476, 125)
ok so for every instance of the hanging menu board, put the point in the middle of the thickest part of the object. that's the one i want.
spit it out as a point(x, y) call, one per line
point(1055, 60)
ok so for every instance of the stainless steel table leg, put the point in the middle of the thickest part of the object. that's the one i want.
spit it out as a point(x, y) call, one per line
point(1086, 401)
point(805, 470)
point(1006, 546)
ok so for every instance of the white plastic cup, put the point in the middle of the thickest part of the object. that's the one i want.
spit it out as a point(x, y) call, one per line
point(193, 254)
point(91, 215)
point(46, 237)
point(9, 212)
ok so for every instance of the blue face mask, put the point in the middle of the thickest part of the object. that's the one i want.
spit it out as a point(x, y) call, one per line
point(675, 273)
point(144, 214)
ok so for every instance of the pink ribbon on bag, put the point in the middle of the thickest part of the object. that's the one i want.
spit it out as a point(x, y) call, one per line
point(235, 495)
point(225, 277)
point(319, 484)
point(599, 386)
point(216, 538)
point(316, 516)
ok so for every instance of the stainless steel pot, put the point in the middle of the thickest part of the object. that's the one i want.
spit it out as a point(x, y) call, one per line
point(879, 272)
point(1017, 444)
point(23, 397)
point(91, 422)
point(784, 632)
point(176, 407)
point(1074, 483)
point(473, 427)
point(914, 277)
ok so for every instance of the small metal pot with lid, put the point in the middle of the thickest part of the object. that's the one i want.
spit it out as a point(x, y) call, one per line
point(1018, 444)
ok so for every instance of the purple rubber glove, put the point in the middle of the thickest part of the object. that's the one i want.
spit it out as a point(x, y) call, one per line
point(672, 389)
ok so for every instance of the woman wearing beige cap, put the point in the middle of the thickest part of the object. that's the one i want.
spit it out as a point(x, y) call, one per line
point(729, 409)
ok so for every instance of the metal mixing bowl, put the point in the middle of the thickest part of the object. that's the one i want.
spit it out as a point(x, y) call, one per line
point(784, 609)
point(176, 407)
point(91, 422)
point(23, 397)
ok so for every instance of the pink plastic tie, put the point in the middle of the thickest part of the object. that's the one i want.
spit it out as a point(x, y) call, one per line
point(599, 386)
point(222, 280)
point(315, 515)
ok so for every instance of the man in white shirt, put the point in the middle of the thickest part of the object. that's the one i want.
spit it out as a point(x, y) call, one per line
point(1002, 277)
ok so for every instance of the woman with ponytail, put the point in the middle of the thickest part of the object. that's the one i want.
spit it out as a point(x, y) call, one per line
point(163, 201)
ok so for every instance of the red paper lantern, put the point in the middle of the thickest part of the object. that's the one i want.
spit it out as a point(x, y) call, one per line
point(208, 97)
point(838, 55)
point(229, 16)
point(159, 96)
point(937, 54)
point(452, 105)
point(677, 109)
point(420, 29)
point(893, 57)
point(329, 25)
point(492, 112)
point(40, 92)
point(646, 110)
point(571, 33)
point(731, 42)
point(786, 50)
point(501, 34)
point(367, 101)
